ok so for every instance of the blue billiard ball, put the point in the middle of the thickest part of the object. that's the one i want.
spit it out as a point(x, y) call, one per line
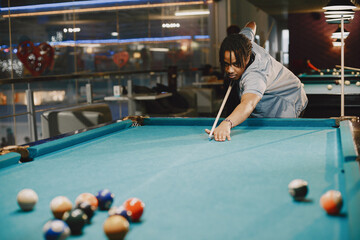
point(105, 199)
point(56, 230)
point(120, 211)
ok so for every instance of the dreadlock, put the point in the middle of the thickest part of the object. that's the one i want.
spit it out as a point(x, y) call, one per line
point(237, 43)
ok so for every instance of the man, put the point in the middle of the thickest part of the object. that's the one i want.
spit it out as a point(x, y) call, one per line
point(266, 88)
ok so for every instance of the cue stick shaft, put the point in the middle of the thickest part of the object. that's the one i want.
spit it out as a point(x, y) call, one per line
point(221, 108)
point(350, 68)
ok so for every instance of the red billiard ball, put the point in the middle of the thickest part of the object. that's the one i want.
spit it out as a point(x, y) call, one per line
point(135, 208)
point(331, 202)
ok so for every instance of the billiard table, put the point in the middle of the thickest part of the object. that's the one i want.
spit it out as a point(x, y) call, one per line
point(194, 188)
point(324, 103)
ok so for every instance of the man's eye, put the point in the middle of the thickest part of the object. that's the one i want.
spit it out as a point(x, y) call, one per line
point(236, 65)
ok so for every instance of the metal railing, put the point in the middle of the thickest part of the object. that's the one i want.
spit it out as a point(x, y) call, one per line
point(91, 78)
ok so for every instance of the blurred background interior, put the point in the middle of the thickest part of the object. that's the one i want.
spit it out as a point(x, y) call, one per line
point(68, 65)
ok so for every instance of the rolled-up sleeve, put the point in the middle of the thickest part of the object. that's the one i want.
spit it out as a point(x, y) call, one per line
point(248, 32)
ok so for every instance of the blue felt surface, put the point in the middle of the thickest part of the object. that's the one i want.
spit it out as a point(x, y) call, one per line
point(193, 188)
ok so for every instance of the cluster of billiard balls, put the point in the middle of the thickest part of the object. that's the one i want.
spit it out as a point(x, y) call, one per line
point(347, 82)
point(69, 220)
point(331, 201)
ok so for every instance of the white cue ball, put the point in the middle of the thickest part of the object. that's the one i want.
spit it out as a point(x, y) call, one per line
point(357, 84)
point(347, 82)
point(27, 198)
point(329, 87)
point(321, 73)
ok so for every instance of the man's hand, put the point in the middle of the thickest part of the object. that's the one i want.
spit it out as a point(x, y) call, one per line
point(222, 132)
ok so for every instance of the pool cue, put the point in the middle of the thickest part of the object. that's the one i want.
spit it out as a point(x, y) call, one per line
point(350, 68)
point(221, 109)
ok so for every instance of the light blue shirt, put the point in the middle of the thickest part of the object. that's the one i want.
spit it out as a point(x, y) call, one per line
point(281, 92)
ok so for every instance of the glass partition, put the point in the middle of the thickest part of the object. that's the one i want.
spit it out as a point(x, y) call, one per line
point(64, 45)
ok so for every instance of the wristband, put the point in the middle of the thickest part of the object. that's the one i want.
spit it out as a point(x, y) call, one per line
point(231, 123)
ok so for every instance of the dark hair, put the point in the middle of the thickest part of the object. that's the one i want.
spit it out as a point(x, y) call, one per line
point(237, 43)
point(232, 29)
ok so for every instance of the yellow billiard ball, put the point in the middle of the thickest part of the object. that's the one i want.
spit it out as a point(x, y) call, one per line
point(329, 87)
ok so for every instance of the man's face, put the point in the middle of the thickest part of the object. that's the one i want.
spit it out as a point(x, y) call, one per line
point(232, 68)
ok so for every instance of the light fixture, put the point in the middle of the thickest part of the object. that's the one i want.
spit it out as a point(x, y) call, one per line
point(337, 21)
point(158, 49)
point(337, 33)
point(89, 6)
point(340, 12)
point(170, 25)
point(192, 13)
point(339, 5)
point(337, 43)
point(345, 16)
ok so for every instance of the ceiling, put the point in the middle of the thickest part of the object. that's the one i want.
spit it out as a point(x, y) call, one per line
point(281, 8)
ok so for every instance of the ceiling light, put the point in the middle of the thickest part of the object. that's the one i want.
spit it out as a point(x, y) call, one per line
point(159, 49)
point(337, 34)
point(84, 7)
point(337, 43)
point(192, 13)
point(340, 12)
point(339, 5)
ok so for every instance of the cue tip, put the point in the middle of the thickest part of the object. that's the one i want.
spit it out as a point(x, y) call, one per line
point(211, 137)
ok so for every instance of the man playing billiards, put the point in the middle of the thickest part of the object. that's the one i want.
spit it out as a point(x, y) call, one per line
point(266, 88)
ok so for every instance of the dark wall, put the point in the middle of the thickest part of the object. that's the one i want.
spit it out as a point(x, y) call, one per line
point(310, 38)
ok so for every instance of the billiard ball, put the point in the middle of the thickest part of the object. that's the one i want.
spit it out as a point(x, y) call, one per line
point(87, 209)
point(59, 205)
point(89, 198)
point(105, 199)
point(56, 230)
point(347, 82)
point(357, 84)
point(116, 227)
point(321, 73)
point(27, 198)
point(119, 211)
point(329, 87)
point(135, 208)
point(331, 202)
point(298, 189)
point(337, 82)
point(76, 220)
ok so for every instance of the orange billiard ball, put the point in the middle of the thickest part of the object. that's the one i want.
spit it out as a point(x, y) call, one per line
point(59, 205)
point(135, 208)
point(89, 198)
point(331, 202)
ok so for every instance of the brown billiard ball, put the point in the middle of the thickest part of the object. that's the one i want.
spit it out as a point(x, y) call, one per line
point(116, 227)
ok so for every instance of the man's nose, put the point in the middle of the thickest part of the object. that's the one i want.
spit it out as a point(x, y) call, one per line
point(230, 69)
